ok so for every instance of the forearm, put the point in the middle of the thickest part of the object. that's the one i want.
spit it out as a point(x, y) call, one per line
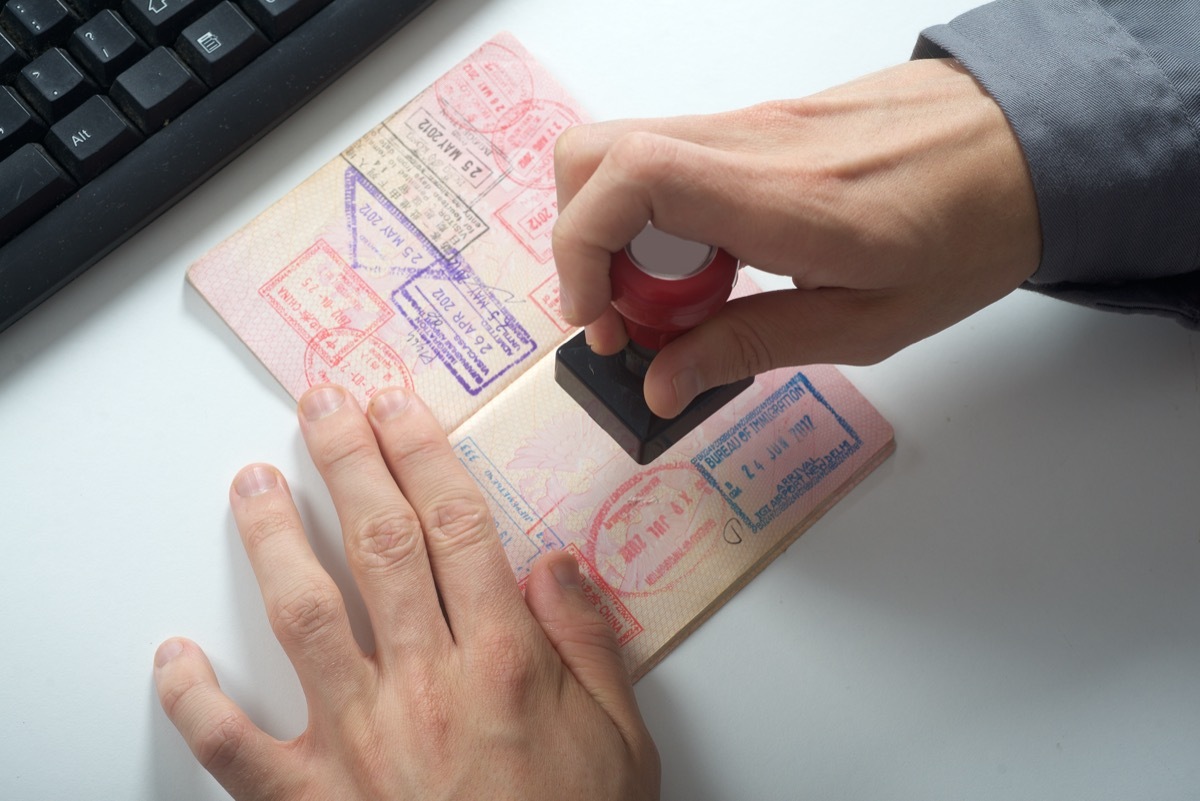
point(1104, 96)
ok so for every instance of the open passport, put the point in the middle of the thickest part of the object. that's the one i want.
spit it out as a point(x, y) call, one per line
point(421, 257)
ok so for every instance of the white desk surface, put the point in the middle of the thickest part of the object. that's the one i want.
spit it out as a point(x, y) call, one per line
point(1008, 609)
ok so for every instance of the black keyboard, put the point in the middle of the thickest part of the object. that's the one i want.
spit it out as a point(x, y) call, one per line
point(111, 111)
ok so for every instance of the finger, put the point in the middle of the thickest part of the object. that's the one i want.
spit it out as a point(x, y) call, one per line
point(244, 759)
point(754, 334)
point(607, 334)
point(472, 573)
point(584, 642)
point(303, 604)
point(385, 547)
point(689, 190)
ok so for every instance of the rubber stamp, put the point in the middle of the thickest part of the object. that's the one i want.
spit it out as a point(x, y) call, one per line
point(663, 286)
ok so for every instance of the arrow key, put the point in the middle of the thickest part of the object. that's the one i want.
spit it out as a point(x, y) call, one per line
point(160, 22)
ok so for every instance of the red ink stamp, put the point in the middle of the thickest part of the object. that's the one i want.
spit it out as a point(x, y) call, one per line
point(318, 293)
point(530, 217)
point(488, 91)
point(547, 298)
point(369, 366)
point(524, 149)
point(595, 589)
point(650, 533)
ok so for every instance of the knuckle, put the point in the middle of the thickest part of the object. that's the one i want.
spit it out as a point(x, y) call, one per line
point(750, 352)
point(305, 613)
point(460, 520)
point(175, 694)
point(266, 525)
point(217, 745)
point(644, 156)
point(385, 539)
point(345, 451)
point(508, 665)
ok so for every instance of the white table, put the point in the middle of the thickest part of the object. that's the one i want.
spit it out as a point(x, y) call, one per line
point(1009, 608)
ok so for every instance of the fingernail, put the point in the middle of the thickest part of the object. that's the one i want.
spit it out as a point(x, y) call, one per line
point(322, 402)
point(167, 651)
point(566, 573)
point(388, 404)
point(566, 305)
point(687, 386)
point(255, 480)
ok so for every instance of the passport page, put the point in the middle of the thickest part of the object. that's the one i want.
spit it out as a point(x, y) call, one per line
point(662, 546)
point(420, 256)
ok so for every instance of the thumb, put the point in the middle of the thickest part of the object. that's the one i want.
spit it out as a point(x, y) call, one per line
point(783, 328)
point(585, 643)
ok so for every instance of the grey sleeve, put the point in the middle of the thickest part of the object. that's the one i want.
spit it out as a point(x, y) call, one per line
point(1104, 96)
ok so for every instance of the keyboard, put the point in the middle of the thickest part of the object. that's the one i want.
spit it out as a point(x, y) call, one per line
point(111, 111)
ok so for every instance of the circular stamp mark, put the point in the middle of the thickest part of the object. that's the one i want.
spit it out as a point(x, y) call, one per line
point(525, 148)
point(488, 91)
point(650, 533)
point(365, 369)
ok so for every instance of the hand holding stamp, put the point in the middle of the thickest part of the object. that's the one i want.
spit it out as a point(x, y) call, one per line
point(662, 286)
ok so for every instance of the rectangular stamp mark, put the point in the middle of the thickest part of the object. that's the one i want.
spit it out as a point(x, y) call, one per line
point(530, 217)
point(318, 293)
point(546, 297)
point(415, 190)
point(464, 324)
point(777, 453)
point(523, 533)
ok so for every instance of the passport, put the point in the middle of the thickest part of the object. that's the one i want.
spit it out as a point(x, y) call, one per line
point(420, 257)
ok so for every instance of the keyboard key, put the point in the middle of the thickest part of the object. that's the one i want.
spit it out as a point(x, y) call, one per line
point(160, 22)
point(91, 138)
point(106, 47)
point(30, 185)
point(278, 18)
point(54, 85)
point(37, 24)
point(220, 43)
point(156, 90)
point(18, 125)
point(86, 9)
point(11, 59)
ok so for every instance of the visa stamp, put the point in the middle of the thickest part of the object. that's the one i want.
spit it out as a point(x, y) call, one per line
point(530, 217)
point(523, 533)
point(525, 149)
point(453, 148)
point(487, 90)
point(369, 366)
point(464, 323)
point(317, 293)
point(652, 531)
point(547, 297)
point(402, 190)
point(601, 595)
point(784, 448)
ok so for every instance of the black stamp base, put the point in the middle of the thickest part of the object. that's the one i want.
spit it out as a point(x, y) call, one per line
point(612, 395)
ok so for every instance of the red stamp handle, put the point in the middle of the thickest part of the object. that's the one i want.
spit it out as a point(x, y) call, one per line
point(664, 286)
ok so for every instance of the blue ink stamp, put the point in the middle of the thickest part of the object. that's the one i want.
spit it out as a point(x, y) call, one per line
point(777, 453)
point(523, 533)
point(383, 241)
point(458, 318)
